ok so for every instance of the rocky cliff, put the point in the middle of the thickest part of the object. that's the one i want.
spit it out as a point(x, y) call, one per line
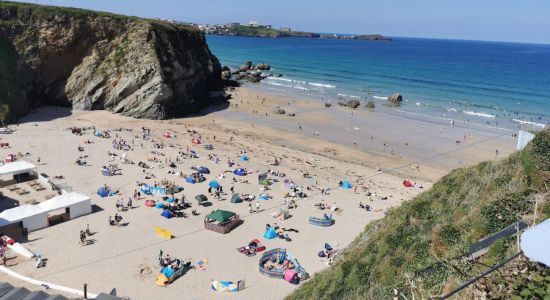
point(91, 60)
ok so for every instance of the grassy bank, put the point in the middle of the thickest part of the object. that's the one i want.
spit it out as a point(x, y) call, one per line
point(418, 248)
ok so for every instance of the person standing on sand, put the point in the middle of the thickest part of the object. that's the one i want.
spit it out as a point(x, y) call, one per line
point(257, 206)
point(250, 208)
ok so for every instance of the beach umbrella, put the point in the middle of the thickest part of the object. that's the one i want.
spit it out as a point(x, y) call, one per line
point(214, 184)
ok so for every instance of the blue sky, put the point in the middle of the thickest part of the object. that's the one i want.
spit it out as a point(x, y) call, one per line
point(495, 20)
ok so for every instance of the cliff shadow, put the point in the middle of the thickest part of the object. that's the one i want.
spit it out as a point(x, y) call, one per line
point(211, 109)
point(46, 113)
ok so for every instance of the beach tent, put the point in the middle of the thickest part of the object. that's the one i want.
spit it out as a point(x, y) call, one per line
point(159, 205)
point(240, 172)
point(201, 198)
point(190, 179)
point(167, 214)
point(346, 185)
point(76, 204)
point(221, 216)
point(196, 141)
point(535, 243)
point(214, 184)
point(407, 183)
point(227, 286)
point(270, 233)
point(29, 216)
point(203, 170)
point(326, 221)
point(165, 276)
point(244, 157)
point(236, 198)
point(291, 276)
point(163, 232)
point(171, 200)
point(103, 192)
point(264, 197)
point(222, 221)
point(150, 203)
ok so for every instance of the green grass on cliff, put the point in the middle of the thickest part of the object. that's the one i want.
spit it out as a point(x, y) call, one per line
point(439, 225)
point(50, 12)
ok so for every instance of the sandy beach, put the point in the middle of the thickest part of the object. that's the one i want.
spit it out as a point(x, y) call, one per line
point(330, 144)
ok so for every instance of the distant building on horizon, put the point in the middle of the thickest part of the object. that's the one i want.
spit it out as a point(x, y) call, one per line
point(253, 23)
point(286, 29)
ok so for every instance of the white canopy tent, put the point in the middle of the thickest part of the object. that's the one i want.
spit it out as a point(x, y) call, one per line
point(535, 243)
point(32, 217)
point(17, 167)
point(77, 203)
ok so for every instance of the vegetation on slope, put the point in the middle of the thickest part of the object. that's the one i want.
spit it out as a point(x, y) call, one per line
point(262, 31)
point(418, 248)
point(45, 12)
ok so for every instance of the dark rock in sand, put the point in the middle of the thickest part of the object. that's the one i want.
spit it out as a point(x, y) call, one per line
point(280, 75)
point(328, 104)
point(353, 103)
point(280, 111)
point(370, 104)
point(342, 103)
point(291, 114)
point(395, 99)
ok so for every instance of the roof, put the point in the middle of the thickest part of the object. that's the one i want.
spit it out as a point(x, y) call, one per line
point(62, 201)
point(535, 243)
point(221, 215)
point(16, 167)
point(8, 291)
point(20, 212)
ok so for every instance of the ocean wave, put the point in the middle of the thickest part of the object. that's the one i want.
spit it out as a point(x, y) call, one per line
point(381, 98)
point(479, 114)
point(298, 87)
point(451, 109)
point(522, 122)
point(280, 79)
point(330, 86)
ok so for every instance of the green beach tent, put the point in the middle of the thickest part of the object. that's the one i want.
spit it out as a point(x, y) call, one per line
point(221, 215)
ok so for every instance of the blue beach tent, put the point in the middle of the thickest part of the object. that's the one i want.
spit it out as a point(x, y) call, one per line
point(190, 179)
point(103, 192)
point(270, 233)
point(214, 184)
point(239, 172)
point(244, 157)
point(346, 185)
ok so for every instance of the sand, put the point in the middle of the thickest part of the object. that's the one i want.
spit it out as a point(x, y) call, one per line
point(125, 258)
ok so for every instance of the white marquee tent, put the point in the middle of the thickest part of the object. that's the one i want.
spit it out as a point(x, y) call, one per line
point(34, 217)
point(17, 167)
point(78, 204)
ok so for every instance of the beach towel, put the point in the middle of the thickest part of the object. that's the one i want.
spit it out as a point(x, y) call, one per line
point(227, 286)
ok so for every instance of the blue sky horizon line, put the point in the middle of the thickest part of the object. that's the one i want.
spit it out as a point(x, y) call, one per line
point(469, 20)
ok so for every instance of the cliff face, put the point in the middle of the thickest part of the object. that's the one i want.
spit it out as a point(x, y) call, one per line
point(140, 68)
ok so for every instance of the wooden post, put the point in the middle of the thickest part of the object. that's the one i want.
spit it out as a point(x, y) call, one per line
point(85, 291)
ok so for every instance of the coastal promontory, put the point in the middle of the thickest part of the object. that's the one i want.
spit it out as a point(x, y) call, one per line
point(91, 60)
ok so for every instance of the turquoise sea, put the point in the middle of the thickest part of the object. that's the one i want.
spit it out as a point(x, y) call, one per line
point(487, 81)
